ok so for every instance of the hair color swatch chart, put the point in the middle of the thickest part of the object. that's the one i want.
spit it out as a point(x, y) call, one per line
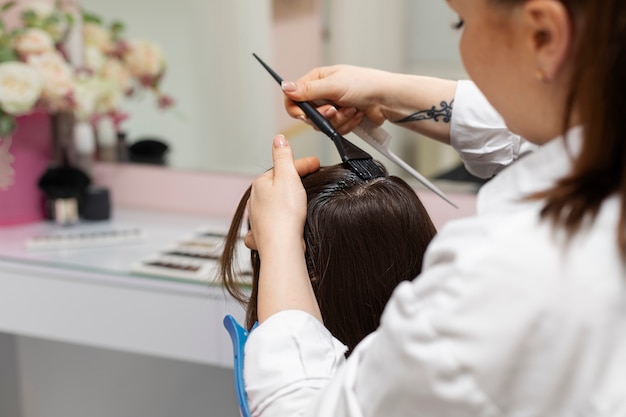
point(143, 244)
point(193, 258)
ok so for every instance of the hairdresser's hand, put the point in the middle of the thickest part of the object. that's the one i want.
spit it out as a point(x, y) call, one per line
point(346, 94)
point(277, 200)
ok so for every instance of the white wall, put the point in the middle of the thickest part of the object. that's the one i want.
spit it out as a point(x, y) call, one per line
point(432, 38)
point(434, 51)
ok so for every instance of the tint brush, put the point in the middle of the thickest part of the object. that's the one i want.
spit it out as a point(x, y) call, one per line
point(359, 161)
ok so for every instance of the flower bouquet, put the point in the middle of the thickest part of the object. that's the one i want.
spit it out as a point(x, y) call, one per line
point(57, 58)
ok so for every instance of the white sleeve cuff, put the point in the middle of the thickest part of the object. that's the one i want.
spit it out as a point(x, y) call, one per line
point(288, 359)
point(480, 135)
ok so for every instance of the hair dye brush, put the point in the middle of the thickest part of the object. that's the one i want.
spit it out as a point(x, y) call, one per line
point(359, 161)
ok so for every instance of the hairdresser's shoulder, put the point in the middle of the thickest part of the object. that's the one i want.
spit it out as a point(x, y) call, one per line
point(510, 243)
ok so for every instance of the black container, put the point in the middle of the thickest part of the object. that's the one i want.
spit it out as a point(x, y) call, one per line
point(148, 151)
point(65, 190)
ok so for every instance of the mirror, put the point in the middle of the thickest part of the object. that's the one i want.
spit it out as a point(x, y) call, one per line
point(228, 109)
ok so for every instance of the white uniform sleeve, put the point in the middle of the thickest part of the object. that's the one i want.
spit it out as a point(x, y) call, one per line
point(288, 359)
point(480, 136)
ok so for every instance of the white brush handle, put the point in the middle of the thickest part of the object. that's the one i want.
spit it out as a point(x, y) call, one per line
point(379, 139)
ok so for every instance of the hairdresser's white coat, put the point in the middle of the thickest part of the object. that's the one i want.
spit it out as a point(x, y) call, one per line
point(505, 320)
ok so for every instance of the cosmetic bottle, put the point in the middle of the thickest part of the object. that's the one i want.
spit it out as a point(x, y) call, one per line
point(122, 147)
point(85, 145)
point(107, 140)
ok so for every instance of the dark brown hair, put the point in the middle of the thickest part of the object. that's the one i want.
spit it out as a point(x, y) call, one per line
point(362, 239)
point(598, 92)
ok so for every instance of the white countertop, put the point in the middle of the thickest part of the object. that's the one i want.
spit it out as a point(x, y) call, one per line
point(88, 295)
point(159, 230)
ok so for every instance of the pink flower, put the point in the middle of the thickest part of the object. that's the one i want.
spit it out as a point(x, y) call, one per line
point(165, 102)
point(57, 76)
point(33, 41)
point(145, 61)
point(114, 70)
point(97, 36)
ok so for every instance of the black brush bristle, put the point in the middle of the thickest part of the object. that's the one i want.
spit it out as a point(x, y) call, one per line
point(366, 169)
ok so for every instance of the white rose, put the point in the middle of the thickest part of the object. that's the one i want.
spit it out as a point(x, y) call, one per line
point(94, 58)
point(20, 87)
point(57, 76)
point(110, 98)
point(34, 41)
point(86, 95)
point(96, 95)
point(145, 60)
point(97, 36)
point(114, 70)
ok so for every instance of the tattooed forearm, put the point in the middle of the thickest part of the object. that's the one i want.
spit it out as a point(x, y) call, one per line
point(444, 114)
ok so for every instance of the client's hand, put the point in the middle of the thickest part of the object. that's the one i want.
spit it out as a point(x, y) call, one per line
point(277, 203)
point(277, 212)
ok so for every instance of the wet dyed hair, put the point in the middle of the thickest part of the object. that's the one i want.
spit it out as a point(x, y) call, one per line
point(598, 92)
point(362, 239)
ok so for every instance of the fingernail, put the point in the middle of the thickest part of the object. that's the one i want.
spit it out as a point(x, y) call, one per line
point(303, 118)
point(332, 111)
point(288, 86)
point(349, 112)
point(280, 141)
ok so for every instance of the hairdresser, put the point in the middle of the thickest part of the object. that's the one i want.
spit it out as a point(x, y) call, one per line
point(519, 310)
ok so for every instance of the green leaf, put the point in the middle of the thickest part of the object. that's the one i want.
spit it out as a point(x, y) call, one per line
point(6, 6)
point(91, 18)
point(29, 14)
point(53, 19)
point(7, 54)
point(29, 18)
point(117, 29)
point(7, 124)
point(70, 18)
point(18, 32)
point(118, 25)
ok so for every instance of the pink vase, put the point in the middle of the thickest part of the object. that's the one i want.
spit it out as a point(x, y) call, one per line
point(31, 147)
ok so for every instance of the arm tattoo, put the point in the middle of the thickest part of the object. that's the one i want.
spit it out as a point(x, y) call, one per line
point(444, 113)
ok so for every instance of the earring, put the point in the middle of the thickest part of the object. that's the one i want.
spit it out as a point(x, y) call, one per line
point(540, 75)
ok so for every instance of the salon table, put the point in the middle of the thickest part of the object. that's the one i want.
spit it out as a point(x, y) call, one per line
point(81, 333)
point(89, 295)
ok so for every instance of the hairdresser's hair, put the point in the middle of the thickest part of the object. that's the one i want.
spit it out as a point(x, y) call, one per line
point(598, 92)
point(362, 239)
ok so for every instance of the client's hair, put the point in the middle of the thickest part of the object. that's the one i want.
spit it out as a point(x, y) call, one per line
point(362, 239)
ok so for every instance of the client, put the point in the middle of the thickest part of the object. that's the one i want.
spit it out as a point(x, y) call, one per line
point(362, 239)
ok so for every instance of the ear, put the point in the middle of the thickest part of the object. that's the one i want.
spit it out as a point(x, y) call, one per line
point(550, 35)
